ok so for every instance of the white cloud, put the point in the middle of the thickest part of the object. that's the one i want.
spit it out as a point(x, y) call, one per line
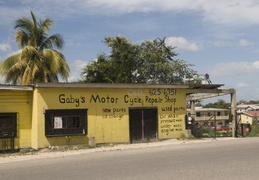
point(181, 43)
point(5, 47)
point(222, 43)
point(229, 43)
point(76, 70)
point(235, 68)
point(242, 85)
point(245, 43)
point(230, 12)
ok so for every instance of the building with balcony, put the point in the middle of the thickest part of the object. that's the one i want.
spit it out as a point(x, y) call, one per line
point(210, 117)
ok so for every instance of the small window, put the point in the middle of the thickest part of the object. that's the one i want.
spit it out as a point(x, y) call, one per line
point(218, 114)
point(7, 125)
point(198, 114)
point(66, 122)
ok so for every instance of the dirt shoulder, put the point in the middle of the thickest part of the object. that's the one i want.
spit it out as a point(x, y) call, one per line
point(51, 153)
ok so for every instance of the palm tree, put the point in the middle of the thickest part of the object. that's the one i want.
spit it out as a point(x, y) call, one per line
point(37, 62)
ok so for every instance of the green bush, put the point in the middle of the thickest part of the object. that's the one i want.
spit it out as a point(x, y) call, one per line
point(211, 133)
point(254, 131)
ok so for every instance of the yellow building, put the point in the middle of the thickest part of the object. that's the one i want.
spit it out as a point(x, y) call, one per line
point(248, 117)
point(51, 114)
point(15, 117)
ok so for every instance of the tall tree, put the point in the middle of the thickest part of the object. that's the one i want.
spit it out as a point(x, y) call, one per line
point(219, 104)
point(97, 71)
point(38, 61)
point(123, 59)
point(149, 62)
point(157, 64)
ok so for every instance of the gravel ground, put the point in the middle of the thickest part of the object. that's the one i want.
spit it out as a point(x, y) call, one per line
point(46, 153)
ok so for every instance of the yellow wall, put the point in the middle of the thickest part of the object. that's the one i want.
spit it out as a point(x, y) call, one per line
point(245, 119)
point(108, 112)
point(20, 102)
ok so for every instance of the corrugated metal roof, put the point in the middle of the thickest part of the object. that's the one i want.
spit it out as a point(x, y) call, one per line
point(245, 106)
point(16, 87)
point(251, 113)
point(206, 86)
point(107, 85)
point(208, 109)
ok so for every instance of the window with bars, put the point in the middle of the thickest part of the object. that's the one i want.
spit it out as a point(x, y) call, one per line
point(65, 122)
point(8, 125)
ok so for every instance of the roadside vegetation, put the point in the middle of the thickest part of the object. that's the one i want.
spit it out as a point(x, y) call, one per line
point(208, 132)
point(253, 131)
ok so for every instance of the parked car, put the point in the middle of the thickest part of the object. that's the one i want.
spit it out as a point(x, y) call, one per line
point(223, 128)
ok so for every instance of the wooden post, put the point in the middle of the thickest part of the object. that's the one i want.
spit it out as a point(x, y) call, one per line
point(143, 126)
point(193, 114)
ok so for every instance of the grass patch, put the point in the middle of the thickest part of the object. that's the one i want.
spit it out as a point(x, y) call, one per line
point(254, 131)
point(184, 137)
point(201, 133)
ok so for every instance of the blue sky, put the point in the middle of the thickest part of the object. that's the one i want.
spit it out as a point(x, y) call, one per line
point(220, 37)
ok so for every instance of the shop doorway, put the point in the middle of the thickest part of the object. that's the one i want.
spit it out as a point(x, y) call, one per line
point(143, 124)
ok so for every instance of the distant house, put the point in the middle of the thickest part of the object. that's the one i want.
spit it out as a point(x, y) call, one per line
point(247, 107)
point(210, 117)
point(248, 117)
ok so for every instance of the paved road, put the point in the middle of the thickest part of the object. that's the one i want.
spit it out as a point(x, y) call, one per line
point(226, 159)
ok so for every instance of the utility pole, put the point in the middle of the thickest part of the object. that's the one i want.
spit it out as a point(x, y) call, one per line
point(233, 112)
point(193, 114)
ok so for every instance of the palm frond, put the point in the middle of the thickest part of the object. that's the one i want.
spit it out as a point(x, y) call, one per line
point(22, 38)
point(12, 69)
point(54, 40)
point(34, 63)
point(8, 63)
point(33, 18)
point(55, 61)
point(24, 24)
point(44, 25)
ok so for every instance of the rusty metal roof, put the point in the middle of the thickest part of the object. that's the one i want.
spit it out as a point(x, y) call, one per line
point(206, 86)
point(109, 85)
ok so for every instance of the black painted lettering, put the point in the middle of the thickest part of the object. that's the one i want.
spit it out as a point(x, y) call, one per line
point(62, 98)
